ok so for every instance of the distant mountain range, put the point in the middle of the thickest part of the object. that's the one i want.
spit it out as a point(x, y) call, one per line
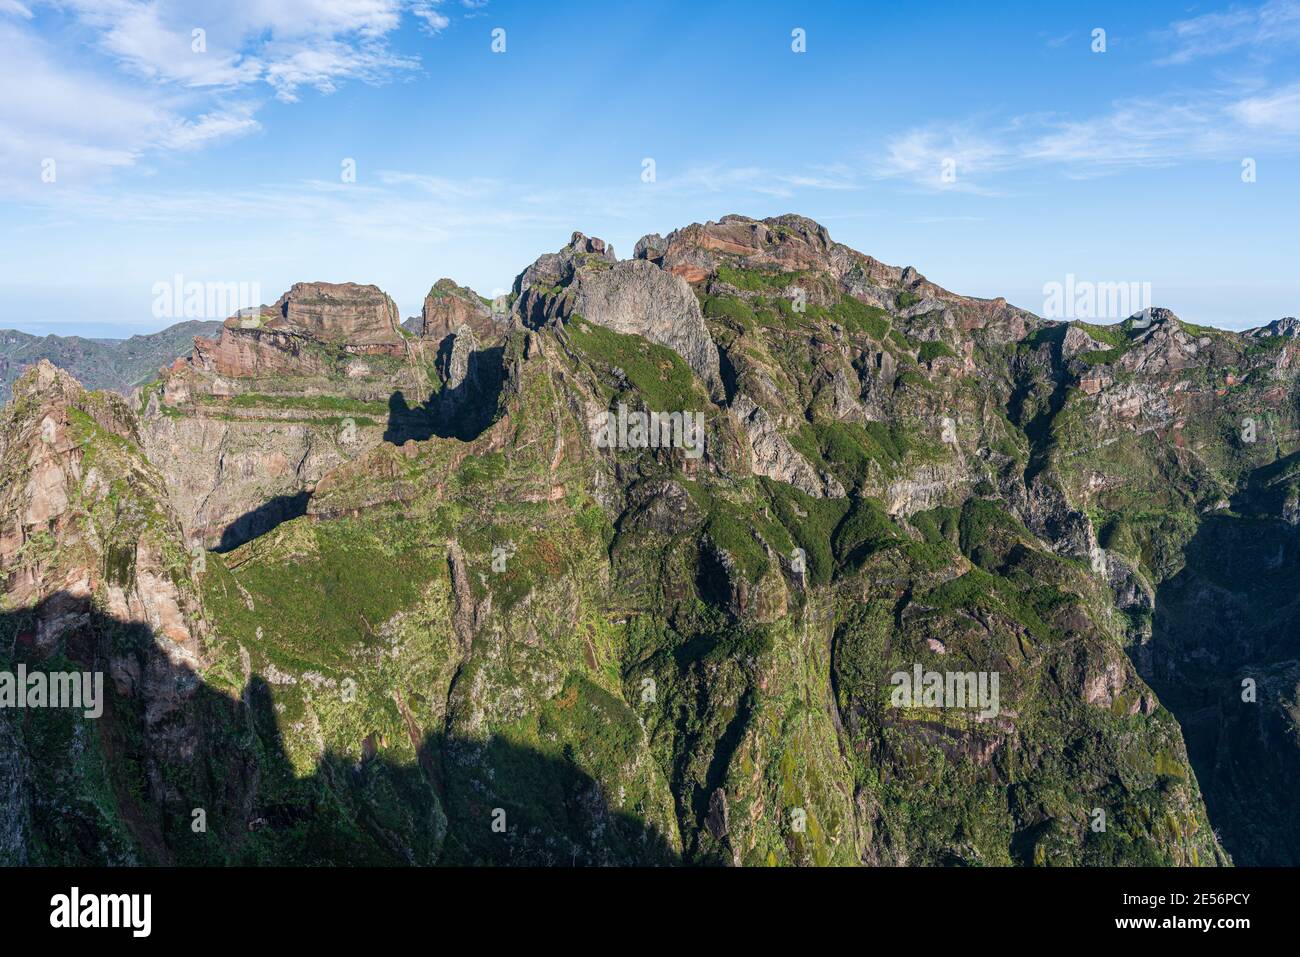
point(116, 364)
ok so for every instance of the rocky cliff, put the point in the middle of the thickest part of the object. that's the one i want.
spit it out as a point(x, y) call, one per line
point(455, 601)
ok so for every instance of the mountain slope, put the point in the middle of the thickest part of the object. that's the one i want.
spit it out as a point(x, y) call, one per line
point(454, 615)
point(117, 364)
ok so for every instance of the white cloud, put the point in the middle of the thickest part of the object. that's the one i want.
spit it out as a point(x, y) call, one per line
point(285, 43)
point(427, 11)
point(951, 158)
point(1266, 27)
point(325, 64)
point(1278, 111)
point(1135, 133)
point(85, 122)
point(175, 74)
point(1139, 133)
point(191, 134)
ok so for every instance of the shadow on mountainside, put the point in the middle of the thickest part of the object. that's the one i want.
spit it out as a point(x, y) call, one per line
point(1233, 613)
point(170, 751)
point(1035, 418)
point(258, 521)
point(461, 411)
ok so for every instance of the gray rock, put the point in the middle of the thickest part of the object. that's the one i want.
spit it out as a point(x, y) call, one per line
point(632, 296)
point(651, 247)
point(460, 371)
point(773, 455)
point(637, 297)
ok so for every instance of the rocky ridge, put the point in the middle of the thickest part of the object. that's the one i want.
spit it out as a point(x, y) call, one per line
point(648, 656)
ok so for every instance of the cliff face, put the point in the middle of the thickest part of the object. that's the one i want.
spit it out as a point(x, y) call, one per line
point(448, 307)
point(458, 616)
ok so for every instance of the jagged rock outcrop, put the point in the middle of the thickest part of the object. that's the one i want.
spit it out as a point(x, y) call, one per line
point(284, 337)
point(537, 285)
point(689, 648)
point(802, 248)
point(1165, 347)
point(1287, 327)
point(633, 297)
point(460, 370)
point(245, 428)
point(636, 298)
point(359, 318)
point(449, 306)
point(788, 243)
point(67, 455)
point(1076, 341)
point(772, 454)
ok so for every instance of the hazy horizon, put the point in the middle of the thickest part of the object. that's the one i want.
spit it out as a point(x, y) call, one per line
point(395, 142)
point(1028, 299)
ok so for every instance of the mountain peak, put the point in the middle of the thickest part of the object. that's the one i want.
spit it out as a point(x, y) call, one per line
point(1288, 327)
point(44, 380)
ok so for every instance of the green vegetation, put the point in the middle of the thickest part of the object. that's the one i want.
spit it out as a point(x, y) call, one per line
point(758, 280)
point(614, 649)
point(865, 529)
point(931, 350)
point(728, 529)
point(661, 377)
point(317, 403)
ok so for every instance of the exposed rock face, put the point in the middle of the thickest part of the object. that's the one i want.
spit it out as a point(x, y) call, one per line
point(219, 471)
point(448, 306)
point(1287, 327)
point(361, 318)
point(788, 243)
point(797, 245)
point(1077, 341)
point(41, 448)
point(637, 298)
point(633, 297)
point(284, 338)
point(1165, 347)
point(461, 368)
point(899, 477)
point(247, 426)
point(62, 546)
point(775, 457)
point(256, 352)
point(552, 270)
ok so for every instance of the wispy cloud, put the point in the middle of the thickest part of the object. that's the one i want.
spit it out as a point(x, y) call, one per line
point(1138, 133)
point(1278, 111)
point(427, 11)
point(85, 122)
point(423, 207)
point(287, 44)
point(957, 157)
point(1260, 29)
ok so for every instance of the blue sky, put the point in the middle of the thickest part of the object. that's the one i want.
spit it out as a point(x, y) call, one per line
point(225, 165)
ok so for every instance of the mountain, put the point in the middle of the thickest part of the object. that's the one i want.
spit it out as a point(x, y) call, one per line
point(443, 591)
point(117, 364)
